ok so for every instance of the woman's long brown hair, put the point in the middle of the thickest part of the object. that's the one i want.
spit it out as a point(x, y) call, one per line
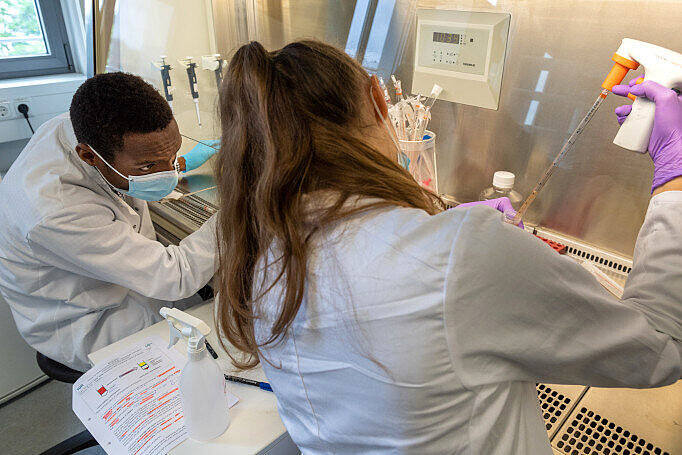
point(291, 126)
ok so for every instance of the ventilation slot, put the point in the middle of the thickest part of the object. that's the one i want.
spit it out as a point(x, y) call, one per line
point(604, 262)
point(590, 433)
point(553, 405)
point(193, 208)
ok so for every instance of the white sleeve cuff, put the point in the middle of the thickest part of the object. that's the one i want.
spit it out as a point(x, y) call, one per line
point(667, 196)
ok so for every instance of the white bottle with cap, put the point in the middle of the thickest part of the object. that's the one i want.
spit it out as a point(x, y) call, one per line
point(202, 383)
point(503, 186)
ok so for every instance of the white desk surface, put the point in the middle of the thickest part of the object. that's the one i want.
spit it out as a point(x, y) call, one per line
point(255, 426)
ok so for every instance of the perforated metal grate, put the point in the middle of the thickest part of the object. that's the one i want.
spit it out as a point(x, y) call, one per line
point(553, 405)
point(187, 213)
point(595, 258)
point(605, 259)
point(590, 433)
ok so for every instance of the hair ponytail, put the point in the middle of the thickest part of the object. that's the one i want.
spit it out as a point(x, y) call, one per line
point(288, 130)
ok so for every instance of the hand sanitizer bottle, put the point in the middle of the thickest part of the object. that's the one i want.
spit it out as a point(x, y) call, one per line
point(503, 186)
point(202, 383)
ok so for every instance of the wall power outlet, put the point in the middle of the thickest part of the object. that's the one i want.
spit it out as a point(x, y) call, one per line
point(5, 111)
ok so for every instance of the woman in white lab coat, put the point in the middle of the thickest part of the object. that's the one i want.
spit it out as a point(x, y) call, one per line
point(385, 325)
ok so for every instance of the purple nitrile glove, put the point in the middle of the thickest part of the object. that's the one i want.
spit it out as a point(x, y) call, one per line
point(623, 111)
point(502, 204)
point(665, 145)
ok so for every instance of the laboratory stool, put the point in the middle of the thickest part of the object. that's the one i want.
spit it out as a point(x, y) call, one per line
point(62, 373)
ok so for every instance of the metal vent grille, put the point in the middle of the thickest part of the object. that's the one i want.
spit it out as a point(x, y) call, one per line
point(191, 208)
point(590, 433)
point(607, 260)
point(553, 405)
point(610, 261)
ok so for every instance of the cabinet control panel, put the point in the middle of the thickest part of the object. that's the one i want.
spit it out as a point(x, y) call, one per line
point(455, 49)
point(463, 52)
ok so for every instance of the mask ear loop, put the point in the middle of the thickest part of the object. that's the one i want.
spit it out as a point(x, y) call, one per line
point(394, 139)
point(105, 162)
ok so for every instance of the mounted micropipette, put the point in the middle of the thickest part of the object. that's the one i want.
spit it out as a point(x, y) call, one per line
point(214, 63)
point(190, 66)
point(165, 79)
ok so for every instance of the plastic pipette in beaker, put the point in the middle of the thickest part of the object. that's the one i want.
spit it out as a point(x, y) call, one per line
point(562, 154)
point(435, 93)
point(387, 97)
point(398, 88)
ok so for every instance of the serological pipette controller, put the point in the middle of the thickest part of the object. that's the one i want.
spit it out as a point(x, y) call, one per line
point(202, 384)
point(660, 65)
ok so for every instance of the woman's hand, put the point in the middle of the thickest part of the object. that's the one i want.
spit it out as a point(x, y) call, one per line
point(665, 145)
point(502, 204)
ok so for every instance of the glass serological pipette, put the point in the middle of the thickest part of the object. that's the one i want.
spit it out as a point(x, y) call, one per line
point(562, 154)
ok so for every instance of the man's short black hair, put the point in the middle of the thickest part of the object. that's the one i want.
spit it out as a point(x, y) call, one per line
point(108, 106)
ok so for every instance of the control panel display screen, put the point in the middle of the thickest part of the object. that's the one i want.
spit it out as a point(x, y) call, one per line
point(453, 48)
point(440, 37)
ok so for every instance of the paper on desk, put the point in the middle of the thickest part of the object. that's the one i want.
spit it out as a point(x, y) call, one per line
point(130, 402)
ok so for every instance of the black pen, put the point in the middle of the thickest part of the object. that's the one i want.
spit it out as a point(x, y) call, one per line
point(210, 350)
point(261, 385)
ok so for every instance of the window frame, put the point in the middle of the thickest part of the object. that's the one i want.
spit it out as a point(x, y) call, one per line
point(58, 61)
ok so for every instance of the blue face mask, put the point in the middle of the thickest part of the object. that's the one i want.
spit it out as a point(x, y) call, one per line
point(149, 187)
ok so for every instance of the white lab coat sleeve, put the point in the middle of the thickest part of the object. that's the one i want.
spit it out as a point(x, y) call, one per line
point(655, 282)
point(515, 310)
point(88, 240)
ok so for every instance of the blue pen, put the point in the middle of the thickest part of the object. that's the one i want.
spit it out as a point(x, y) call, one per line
point(261, 385)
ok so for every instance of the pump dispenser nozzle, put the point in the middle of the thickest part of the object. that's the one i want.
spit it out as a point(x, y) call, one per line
point(183, 325)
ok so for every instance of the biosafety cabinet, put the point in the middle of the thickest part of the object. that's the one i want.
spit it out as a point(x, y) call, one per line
point(517, 78)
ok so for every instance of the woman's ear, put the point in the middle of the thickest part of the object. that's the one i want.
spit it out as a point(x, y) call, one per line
point(378, 95)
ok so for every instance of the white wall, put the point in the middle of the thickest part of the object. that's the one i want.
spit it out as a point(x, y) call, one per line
point(46, 96)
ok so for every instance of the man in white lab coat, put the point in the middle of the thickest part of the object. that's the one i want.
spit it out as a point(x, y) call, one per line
point(80, 265)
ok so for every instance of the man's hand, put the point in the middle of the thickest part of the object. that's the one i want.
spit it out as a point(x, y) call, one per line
point(199, 154)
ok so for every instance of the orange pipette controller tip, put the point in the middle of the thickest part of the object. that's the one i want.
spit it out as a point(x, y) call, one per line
point(620, 68)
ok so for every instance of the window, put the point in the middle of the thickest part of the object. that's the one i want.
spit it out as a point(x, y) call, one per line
point(33, 39)
point(378, 33)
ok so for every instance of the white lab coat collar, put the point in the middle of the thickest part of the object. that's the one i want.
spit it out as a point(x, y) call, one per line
point(67, 138)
